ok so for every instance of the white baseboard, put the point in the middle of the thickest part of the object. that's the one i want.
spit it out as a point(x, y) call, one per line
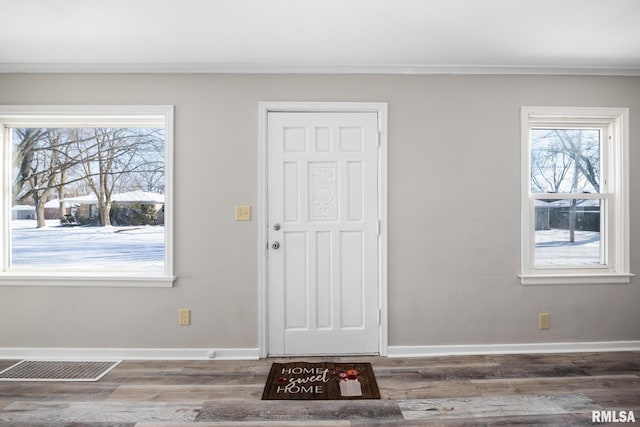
point(562, 347)
point(38, 353)
point(41, 353)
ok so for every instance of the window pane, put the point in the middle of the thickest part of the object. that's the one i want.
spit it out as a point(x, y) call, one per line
point(565, 160)
point(567, 233)
point(88, 199)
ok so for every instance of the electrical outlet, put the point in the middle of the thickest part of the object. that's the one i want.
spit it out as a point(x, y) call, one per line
point(544, 321)
point(243, 213)
point(184, 317)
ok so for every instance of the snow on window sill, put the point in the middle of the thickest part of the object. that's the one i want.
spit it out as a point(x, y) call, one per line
point(575, 279)
point(85, 280)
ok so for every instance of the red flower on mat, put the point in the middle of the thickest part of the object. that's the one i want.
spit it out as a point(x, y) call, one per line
point(352, 374)
point(348, 374)
point(282, 380)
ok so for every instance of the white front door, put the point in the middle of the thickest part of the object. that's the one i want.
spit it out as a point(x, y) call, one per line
point(323, 261)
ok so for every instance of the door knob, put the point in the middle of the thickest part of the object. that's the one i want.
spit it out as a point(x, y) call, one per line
point(276, 226)
point(275, 245)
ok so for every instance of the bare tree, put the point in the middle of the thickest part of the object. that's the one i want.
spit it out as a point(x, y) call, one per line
point(580, 147)
point(114, 155)
point(549, 169)
point(566, 160)
point(38, 168)
point(49, 160)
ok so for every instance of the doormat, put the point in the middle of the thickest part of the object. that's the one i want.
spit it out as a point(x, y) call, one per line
point(31, 370)
point(320, 381)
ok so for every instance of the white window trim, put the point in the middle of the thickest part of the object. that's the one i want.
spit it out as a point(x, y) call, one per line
point(79, 115)
point(617, 223)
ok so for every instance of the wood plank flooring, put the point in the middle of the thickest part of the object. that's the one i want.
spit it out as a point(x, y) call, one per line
point(500, 390)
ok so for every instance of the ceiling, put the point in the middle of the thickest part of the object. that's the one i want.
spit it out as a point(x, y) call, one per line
point(330, 36)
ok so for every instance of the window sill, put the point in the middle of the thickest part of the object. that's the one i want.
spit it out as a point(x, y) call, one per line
point(575, 279)
point(85, 280)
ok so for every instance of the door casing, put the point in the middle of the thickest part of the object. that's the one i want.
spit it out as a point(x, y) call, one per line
point(264, 109)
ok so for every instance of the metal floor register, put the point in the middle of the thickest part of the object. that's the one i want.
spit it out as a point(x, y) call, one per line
point(32, 370)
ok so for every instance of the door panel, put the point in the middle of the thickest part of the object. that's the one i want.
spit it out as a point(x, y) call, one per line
point(323, 282)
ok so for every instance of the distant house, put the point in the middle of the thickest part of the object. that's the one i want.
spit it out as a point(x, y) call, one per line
point(142, 199)
point(23, 212)
point(51, 211)
point(87, 206)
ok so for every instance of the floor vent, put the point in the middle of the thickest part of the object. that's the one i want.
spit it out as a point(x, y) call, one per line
point(37, 370)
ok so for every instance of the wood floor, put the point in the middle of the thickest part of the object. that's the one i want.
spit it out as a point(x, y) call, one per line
point(505, 390)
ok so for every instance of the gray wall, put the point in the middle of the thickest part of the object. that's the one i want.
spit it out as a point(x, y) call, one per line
point(454, 213)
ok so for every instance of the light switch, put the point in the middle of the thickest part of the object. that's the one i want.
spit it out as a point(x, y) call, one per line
point(243, 213)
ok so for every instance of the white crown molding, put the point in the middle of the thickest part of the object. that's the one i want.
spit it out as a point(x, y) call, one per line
point(43, 353)
point(527, 348)
point(221, 68)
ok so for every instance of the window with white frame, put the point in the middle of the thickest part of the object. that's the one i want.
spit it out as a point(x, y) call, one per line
point(575, 207)
point(87, 197)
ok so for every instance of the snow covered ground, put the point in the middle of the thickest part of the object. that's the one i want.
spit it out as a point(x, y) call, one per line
point(142, 248)
point(82, 247)
point(553, 248)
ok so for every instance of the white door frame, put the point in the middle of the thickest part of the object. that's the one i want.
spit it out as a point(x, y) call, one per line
point(264, 109)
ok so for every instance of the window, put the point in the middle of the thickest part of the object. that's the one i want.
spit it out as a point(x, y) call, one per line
point(575, 211)
point(87, 197)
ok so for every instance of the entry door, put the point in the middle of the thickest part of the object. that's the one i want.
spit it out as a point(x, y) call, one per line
point(323, 292)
